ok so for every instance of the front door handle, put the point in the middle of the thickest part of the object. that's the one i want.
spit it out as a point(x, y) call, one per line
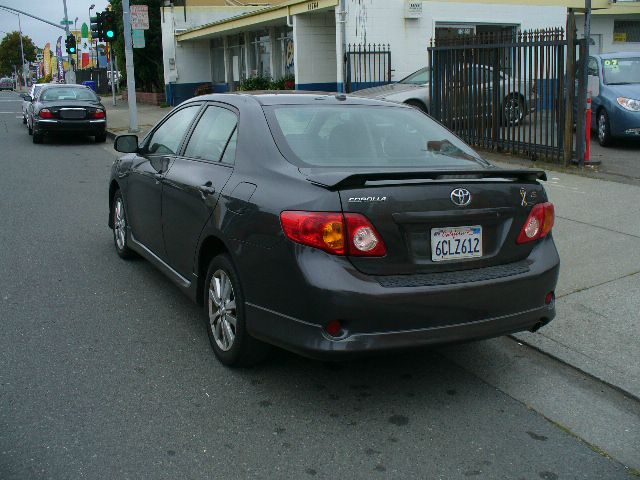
point(207, 189)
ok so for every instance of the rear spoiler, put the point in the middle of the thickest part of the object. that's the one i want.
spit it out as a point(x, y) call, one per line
point(336, 179)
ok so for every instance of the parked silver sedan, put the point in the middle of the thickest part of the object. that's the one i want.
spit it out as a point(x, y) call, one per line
point(518, 98)
point(412, 90)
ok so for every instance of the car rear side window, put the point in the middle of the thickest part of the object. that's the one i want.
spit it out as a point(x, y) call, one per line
point(167, 138)
point(210, 137)
point(365, 136)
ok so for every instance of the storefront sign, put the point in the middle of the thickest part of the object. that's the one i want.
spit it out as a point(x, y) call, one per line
point(139, 17)
point(413, 9)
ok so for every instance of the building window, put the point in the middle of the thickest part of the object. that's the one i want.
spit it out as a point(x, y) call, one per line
point(261, 59)
point(236, 60)
point(626, 31)
point(218, 71)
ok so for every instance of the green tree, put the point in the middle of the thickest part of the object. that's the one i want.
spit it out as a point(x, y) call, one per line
point(147, 61)
point(10, 52)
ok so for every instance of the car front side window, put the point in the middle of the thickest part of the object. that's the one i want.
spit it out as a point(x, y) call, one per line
point(167, 138)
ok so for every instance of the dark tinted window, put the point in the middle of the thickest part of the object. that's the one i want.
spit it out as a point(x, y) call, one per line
point(68, 93)
point(167, 138)
point(365, 136)
point(230, 152)
point(211, 135)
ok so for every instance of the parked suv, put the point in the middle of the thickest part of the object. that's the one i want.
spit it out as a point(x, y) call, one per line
point(6, 83)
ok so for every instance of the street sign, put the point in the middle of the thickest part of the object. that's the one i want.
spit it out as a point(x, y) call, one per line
point(138, 39)
point(66, 22)
point(140, 17)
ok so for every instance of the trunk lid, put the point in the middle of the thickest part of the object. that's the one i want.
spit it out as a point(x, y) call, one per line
point(405, 207)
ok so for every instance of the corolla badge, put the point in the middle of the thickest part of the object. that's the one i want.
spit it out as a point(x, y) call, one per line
point(461, 197)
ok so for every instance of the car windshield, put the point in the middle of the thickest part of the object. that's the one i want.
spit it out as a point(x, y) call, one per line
point(365, 136)
point(417, 78)
point(5, 80)
point(620, 71)
point(67, 93)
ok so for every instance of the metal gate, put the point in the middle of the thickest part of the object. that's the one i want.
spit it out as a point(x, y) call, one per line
point(367, 66)
point(506, 91)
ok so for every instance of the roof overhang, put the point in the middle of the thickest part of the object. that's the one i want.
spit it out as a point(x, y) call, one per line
point(264, 17)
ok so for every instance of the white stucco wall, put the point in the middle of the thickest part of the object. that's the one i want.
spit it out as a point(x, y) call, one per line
point(192, 58)
point(602, 32)
point(382, 21)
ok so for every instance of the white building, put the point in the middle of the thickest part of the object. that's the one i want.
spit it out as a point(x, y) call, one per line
point(222, 45)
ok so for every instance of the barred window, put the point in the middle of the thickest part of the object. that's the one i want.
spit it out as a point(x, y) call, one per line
point(625, 31)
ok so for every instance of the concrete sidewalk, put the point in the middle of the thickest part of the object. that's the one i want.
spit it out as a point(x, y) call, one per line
point(597, 232)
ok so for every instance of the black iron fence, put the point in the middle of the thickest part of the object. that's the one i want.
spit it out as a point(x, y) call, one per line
point(367, 65)
point(505, 91)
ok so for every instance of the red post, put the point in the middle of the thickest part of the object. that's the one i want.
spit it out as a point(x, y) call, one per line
point(587, 150)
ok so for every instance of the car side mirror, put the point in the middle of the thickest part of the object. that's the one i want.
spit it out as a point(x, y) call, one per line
point(27, 98)
point(126, 143)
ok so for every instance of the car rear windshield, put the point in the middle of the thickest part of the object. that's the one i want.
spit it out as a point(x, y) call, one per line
point(621, 70)
point(67, 93)
point(365, 136)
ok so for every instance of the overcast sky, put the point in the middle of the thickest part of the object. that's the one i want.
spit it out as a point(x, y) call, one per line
point(51, 10)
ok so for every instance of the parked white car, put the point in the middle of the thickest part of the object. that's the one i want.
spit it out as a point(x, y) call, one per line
point(35, 88)
point(412, 90)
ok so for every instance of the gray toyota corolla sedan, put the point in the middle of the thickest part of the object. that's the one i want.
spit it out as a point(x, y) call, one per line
point(332, 225)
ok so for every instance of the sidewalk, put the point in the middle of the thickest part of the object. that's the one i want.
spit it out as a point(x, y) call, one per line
point(597, 231)
point(118, 116)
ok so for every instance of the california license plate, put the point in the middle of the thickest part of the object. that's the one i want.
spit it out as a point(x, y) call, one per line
point(452, 243)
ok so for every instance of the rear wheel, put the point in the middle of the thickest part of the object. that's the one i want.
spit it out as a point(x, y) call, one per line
point(24, 119)
point(30, 129)
point(513, 110)
point(224, 311)
point(37, 137)
point(604, 129)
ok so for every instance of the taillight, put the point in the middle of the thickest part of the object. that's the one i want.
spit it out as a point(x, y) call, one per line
point(348, 234)
point(98, 114)
point(539, 223)
point(45, 113)
point(365, 241)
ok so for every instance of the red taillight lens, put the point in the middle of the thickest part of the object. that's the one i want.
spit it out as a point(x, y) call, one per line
point(539, 223)
point(98, 114)
point(323, 230)
point(365, 241)
point(45, 113)
point(348, 234)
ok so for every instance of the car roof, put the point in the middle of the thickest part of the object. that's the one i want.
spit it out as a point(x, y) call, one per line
point(618, 55)
point(292, 97)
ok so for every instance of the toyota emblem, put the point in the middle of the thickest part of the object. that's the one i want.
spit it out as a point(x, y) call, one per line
point(461, 197)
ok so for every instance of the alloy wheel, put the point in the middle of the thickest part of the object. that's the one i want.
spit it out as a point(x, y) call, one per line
point(120, 224)
point(602, 127)
point(222, 310)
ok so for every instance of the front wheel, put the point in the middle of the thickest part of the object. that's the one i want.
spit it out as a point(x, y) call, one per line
point(513, 110)
point(120, 227)
point(604, 129)
point(224, 311)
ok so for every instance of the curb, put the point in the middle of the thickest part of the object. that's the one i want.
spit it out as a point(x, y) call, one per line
point(617, 388)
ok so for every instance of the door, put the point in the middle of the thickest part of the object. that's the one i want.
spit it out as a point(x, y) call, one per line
point(193, 184)
point(144, 188)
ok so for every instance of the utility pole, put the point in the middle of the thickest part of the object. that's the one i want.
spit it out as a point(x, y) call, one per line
point(71, 74)
point(128, 56)
point(585, 80)
point(24, 73)
point(113, 77)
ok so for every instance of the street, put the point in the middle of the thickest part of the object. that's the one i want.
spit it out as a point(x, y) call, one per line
point(106, 370)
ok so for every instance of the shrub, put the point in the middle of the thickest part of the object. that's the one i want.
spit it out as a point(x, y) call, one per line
point(288, 82)
point(256, 82)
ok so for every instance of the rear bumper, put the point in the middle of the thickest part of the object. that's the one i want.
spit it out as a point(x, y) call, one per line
point(378, 318)
point(85, 127)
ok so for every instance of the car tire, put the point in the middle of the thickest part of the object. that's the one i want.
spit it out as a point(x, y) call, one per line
point(604, 128)
point(100, 138)
point(417, 104)
point(119, 219)
point(224, 314)
point(29, 129)
point(513, 110)
point(24, 119)
point(37, 137)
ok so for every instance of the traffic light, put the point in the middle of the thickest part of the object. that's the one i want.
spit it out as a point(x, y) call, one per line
point(70, 44)
point(109, 30)
point(96, 27)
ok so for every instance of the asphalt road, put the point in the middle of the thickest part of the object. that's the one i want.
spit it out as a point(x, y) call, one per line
point(106, 370)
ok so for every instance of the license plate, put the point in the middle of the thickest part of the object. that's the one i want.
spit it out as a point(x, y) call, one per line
point(73, 114)
point(453, 243)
